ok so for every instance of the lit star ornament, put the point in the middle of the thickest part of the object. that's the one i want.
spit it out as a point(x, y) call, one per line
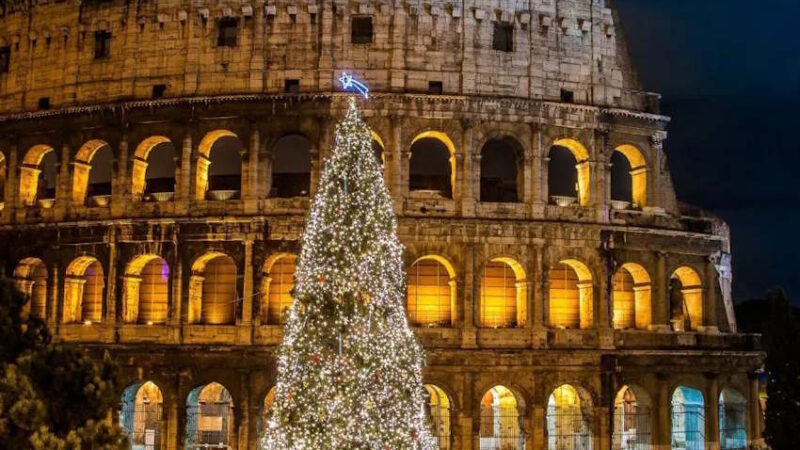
point(351, 84)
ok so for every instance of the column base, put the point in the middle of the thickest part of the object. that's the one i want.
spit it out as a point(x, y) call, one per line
point(660, 328)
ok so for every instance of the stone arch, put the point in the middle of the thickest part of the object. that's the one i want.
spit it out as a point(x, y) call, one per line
point(84, 286)
point(582, 172)
point(503, 294)
point(213, 290)
point(225, 187)
point(686, 299)
point(501, 170)
point(571, 295)
point(438, 172)
point(568, 420)
point(500, 413)
point(629, 182)
point(632, 419)
point(37, 163)
point(31, 276)
point(92, 174)
point(431, 292)
point(687, 408)
point(141, 416)
point(439, 412)
point(632, 299)
point(209, 417)
point(148, 176)
point(3, 177)
point(145, 296)
point(378, 147)
point(732, 419)
point(277, 283)
point(291, 166)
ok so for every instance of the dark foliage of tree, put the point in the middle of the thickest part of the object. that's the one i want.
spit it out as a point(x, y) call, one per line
point(780, 325)
point(51, 396)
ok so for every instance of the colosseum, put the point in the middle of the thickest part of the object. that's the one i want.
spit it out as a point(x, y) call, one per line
point(157, 160)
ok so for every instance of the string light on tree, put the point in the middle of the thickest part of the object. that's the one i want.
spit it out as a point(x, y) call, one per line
point(349, 367)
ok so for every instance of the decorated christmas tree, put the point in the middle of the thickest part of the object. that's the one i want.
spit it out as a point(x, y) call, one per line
point(349, 367)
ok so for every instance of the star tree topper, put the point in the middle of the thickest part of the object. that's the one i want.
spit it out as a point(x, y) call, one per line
point(353, 85)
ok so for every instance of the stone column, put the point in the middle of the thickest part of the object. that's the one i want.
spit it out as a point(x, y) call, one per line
point(111, 286)
point(538, 183)
point(171, 433)
point(396, 166)
point(120, 187)
point(63, 184)
point(654, 188)
point(251, 195)
point(53, 309)
point(469, 332)
point(468, 170)
point(468, 416)
point(247, 301)
point(243, 425)
point(660, 302)
point(177, 290)
point(710, 301)
point(754, 411)
point(397, 81)
point(184, 189)
point(662, 436)
point(712, 411)
point(11, 186)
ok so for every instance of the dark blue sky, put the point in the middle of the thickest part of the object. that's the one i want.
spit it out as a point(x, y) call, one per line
point(730, 75)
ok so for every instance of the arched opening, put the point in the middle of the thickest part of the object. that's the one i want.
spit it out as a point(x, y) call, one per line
point(503, 294)
point(568, 173)
point(431, 292)
point(628, 178)
point(37, 178)
point(378, 148)
point(732, 420)
point(277, 284)
point(212, 290)
point(686, 299)
point(266, 413)
point(571, 295)
point(688, 419)
point(91, 174)
point(439, 411)
point(432, 166)
point(501, 174)
point(209, 418)
point(218, 174)
point(30, 276)
point(153, 177)
point(500, 427)
point(83, 291)
point(146, 290)
point(631, 298)
point(291, 167)
point(567, 420)
point(631, 421)
point(3, 176)
point(141, 415)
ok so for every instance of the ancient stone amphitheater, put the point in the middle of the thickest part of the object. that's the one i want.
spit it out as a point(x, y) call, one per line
point(156, 164)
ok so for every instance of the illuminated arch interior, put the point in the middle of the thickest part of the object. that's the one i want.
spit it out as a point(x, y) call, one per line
point(141, 415)
point(439, 413)
point(686, 299)
point(35, 167)
point(146, 294)
point(91, 172)
point(631, 298)
point(431, 292)
point(212, 290)
point(209, 421)
point(732, 419)
point(567, 421)
point(638, 174)
point(632, 419)
point(378, 147)
point(203, 171)
point(30, 276)
point(83, 291)
point(277, 284)
point(499, 427)
point(503, 294)
point(425, 181)
point(582, 167)
point(688, 419)
point(147, 150)
point(571, 295)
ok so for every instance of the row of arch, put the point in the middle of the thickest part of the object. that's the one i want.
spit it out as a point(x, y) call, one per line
point(431, 292)
point(218, 170)
point(568, 418)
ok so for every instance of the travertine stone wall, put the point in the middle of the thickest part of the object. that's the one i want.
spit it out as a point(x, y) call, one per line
point(565, 44)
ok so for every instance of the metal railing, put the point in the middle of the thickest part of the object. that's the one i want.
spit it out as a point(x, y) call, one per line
point(631, 429)
point(439, 422)
point(732, 432)
point(567, 429)
point(142, 424)
point(209, 426)
point(688, 427)
point(500, 429)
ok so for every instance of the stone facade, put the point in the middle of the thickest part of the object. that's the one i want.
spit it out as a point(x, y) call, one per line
point(566, 82)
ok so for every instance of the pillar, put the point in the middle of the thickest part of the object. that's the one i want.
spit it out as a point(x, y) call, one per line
point(657, 144)
point(54, 294)
point(469, 333)
point(111, 276)
point(661, 311)
point(120, 187)
point(712, 412)
point(396, 186)
point(247, 291)
point(710, 293)
point(10, 188)
point(184, 179)
point(171, 431)
point(243, 424)
point(754, 412)
point(468, 170)
point(63, 184)
point(252, 165)
point(176, 302)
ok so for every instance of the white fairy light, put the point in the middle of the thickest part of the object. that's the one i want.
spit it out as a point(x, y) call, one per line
point(350, 367)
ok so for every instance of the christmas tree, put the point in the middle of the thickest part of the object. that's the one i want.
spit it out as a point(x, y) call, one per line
point(349, 367)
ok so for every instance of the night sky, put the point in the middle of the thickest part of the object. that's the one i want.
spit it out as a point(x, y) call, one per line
point(729, 72)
